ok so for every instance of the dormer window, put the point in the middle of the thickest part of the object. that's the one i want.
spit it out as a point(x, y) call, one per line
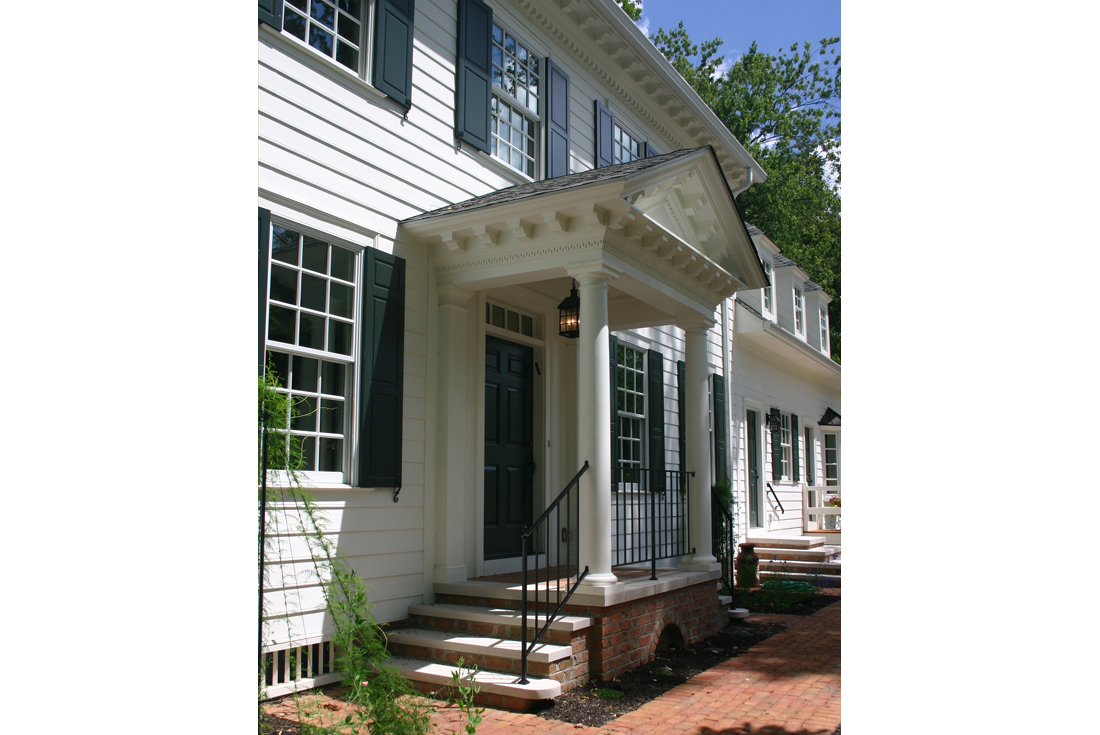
point(768, 289)
point(823, 322)
point(799, 322)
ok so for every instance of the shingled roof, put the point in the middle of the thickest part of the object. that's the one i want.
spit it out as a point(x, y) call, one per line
point(781, 261)
point(811, 286)
point(535, 188)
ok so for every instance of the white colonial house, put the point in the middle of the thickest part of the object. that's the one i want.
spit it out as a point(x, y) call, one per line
point(439, 185)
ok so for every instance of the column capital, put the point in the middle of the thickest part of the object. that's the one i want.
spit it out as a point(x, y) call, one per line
point(696, 323)
point(600, 270)
point(454, 296)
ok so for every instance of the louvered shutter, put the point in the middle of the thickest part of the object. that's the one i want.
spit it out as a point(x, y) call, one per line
point(382, 370)
point(613, 344)
point(261, 289)
point(777, 448)
point(557, 115)
point(794, 447)
point(271, 12)
point(721, 429)
point(605, 129)
point(393, 48)
point(681, 399)
point(473, 77)
point(655, 368)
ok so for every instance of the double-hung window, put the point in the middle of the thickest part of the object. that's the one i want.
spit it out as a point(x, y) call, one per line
point(630, 400)
point(514, 126)
point(310, 344)
point(832, 459)
point(823, 324)
point(625, 145)
point(785, 443)
point(336, 29)
point(768, 288)
point(799, 319)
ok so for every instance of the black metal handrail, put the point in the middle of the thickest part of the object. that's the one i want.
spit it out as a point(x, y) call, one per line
point(650, 515)
point(772, 491)
point(569, 538)
point(723, 538)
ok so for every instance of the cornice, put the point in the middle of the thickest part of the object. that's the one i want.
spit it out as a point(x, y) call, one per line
point(650, 270)
point(517, 256)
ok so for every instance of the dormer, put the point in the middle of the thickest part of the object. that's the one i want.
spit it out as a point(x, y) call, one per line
point(817, 317)
point(790, 296)
point(763, 300)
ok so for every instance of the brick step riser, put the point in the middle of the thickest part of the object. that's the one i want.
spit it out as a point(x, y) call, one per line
point(778, 566)
point(483, 662)
point(445, 599)
point(509, 632)
point(818, 581)
point(774, 556)
point(498, 701)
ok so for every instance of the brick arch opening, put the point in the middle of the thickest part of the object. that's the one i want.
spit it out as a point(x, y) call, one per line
point(670, 629)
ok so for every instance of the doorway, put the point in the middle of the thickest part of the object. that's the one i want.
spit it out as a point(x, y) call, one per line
point(752, 448)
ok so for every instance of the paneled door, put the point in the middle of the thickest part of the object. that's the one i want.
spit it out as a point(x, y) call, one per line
point(752, 448)
point(509, 450)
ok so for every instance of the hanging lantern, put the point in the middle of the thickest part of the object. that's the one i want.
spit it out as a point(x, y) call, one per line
point(570, 314)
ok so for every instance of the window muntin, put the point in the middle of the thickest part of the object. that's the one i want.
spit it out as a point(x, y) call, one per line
point(832, 460)
point(785, 444)
point(513, 321)
point(630, 400)
point(625, 145)
point(799, 325)
point(515, 104)
point(823, 323)
point(768, 288)
point(310, 342)
point(333, 28)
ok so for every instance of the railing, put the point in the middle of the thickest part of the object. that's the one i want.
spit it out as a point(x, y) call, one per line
point(649, 515)
point(723, 536)
point(772, 491)
point(820, 517)
point(567, 537)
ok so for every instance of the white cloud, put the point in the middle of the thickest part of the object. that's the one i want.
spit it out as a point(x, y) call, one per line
point(643, 25)
point(721, 69)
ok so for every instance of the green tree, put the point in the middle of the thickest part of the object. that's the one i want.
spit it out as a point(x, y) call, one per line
point(632, 8)
point(785, 109)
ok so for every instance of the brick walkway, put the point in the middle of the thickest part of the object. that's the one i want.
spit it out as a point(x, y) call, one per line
point(788, 684)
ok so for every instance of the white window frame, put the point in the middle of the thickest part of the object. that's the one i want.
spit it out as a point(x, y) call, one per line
point(345, 476)
point(766, 301)
point(825, 464)
point(616, 143)
point(365, 42)
point(785, 447)
point(500, 95)
point(823, 324)
point(642, 417)
point(799, 315)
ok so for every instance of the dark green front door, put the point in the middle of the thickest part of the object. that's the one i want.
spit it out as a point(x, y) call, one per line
point(753, 450)
point(509, 457)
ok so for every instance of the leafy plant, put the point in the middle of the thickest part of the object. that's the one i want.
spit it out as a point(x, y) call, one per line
point(464, 695)
point(604, 693)
point(834, 501)
point(724, 490)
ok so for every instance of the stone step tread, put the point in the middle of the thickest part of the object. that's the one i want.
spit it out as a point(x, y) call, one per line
point(484, 645)
point(799, 576)
point(498, 616)
point(824, 552)
point(795, 565)
point(786, 542)
point(725, 600)
point(490, 682)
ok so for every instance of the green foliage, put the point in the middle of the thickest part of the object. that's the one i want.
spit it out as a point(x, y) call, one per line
point(384, 699)
point(724, 491)
point(603, 693)
point(785, 110)
point(788, 585)
point(633, 8)
point(764, 600)
point(463, 695)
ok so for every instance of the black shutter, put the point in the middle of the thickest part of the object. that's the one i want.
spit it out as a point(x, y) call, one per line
point(473, 78)
point(777, 448)
point(681, 399)
point(721, 429)
point(655, 366)
point(649, 151)
point(557, 113)
point(382, 370)
point(605, 131)
point(271, 12)
point(794, 447)
point(393, 49)
point(809, 457)
point(613, 343)
point(264, 259)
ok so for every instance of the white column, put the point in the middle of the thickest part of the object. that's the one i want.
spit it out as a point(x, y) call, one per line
point(698, 445)
point(452, 437)
point(594, 430)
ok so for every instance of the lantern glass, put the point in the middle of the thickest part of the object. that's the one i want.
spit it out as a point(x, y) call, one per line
point(569, 324)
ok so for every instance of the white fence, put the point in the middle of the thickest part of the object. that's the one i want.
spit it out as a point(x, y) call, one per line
point(817, 514)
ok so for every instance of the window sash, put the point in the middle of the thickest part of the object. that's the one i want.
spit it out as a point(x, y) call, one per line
point(785, 444)
point(348, 43)
point(623, 141)
point(798, 325)
point(631, 403)
point(768, 288)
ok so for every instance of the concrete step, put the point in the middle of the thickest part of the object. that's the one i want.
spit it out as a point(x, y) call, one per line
point(724, 601)
point(819, 554)
point(807, 567)
point(821, 580)
point(496, 616)
point(782, 542)
point(436, 677)
point(442, 640)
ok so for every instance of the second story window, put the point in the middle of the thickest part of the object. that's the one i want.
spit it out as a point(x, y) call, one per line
point(515, 103)
point(823, 322)
point(333, 28)
point(799, 320)
point(768, 288)
point(625, 145)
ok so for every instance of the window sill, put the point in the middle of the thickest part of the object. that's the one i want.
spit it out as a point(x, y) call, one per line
point(516, 177)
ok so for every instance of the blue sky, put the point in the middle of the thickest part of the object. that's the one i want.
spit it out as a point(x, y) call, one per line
point(773, 24)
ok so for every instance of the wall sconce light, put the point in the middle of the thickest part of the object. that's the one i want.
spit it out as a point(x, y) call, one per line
point(773, 422)
point(569, 324)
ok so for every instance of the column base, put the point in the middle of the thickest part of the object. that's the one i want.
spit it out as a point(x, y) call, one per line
point(599, 580)
point(699, 563)
point(451, 573)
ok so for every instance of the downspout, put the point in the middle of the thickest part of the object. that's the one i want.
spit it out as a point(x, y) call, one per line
point(748, 183)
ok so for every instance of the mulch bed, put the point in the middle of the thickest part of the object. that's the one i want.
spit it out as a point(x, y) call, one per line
point(761, 601)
